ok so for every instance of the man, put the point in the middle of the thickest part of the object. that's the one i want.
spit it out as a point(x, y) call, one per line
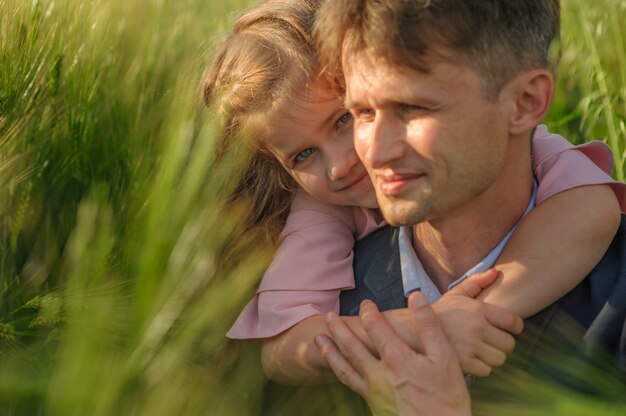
point(446, 94)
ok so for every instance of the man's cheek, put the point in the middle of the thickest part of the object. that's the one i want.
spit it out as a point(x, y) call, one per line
point(361, 141)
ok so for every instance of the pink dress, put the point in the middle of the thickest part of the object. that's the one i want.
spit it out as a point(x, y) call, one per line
point(314, 261)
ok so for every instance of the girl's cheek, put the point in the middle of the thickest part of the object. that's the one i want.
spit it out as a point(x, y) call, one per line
point(305, 183)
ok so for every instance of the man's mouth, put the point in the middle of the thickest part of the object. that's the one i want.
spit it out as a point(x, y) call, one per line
point(395, 183)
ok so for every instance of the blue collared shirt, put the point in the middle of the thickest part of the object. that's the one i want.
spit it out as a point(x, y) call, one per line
point(414, 276)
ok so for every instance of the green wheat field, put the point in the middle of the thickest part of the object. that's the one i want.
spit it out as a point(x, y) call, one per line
point(117, 273)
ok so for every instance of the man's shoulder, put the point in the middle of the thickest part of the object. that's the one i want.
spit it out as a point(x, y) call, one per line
point(594, 312)
point(611, 266)
point(605, 285)
point(579, 339)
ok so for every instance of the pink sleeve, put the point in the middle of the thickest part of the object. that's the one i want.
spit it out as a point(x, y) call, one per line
point(560, 166)
point(270, 313)
point(311, 266)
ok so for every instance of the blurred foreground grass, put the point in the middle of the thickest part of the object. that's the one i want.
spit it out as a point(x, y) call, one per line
point(116, 287)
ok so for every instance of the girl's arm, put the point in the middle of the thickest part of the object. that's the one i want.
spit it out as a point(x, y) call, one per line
point(311, 266)
point(293, 358)
point(554, 247)
point(304, 281)
point(560, 241)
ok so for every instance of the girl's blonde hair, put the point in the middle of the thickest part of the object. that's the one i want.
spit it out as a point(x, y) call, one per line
point(258, 68)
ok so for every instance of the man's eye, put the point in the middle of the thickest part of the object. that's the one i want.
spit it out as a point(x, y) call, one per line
point(413, 108)
point(343, 120)
point(303, 155)
point(365, 114)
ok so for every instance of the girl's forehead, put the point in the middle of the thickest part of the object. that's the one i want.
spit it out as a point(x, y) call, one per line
point(303, 121)
point(315, 96)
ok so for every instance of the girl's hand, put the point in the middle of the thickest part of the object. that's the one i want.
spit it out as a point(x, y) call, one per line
point(480, 333)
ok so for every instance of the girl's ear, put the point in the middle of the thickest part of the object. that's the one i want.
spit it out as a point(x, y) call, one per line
point(531, 92)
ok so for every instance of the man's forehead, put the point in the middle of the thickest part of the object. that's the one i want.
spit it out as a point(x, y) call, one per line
point(359, 55)
point(364, 68)
point(380, 83)
point(369, 81)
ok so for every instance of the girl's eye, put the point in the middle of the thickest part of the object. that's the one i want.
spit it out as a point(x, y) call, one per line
point(303, 155)
point(343, 120)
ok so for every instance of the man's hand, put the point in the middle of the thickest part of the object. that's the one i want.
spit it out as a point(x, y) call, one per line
point(401, 381)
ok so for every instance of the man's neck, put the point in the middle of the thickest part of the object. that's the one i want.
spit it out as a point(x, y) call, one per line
point(452, 244)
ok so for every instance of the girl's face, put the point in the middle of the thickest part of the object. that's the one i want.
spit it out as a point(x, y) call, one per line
point(313, 141)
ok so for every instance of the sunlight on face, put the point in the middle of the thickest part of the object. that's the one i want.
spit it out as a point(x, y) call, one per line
point(431, 142)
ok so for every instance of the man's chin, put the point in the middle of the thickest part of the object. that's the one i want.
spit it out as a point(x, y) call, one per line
point(400, 213)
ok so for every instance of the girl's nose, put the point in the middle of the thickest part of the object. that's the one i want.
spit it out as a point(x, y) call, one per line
point(342, 163)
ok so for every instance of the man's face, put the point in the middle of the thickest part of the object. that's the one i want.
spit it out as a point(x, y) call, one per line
point(431, 142)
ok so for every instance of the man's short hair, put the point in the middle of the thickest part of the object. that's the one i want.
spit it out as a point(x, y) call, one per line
point(498, 38)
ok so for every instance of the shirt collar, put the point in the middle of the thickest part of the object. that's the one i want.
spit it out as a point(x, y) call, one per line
point(414, 276)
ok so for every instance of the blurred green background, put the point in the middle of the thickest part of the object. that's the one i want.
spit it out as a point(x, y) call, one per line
point(116, 279)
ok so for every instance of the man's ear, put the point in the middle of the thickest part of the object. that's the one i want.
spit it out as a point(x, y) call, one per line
point(531, 92)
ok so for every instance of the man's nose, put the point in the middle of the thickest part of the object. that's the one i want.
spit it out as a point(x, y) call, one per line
point(382, 142)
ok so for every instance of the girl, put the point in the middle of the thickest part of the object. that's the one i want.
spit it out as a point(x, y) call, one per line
point(305, 179)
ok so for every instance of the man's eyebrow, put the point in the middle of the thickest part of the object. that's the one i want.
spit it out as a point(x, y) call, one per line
point(349, 104)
